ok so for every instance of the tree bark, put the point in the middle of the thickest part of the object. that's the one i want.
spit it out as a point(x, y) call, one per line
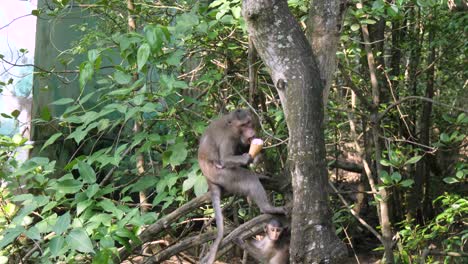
point(323, 32)
point(422, 169)
point(285, 50)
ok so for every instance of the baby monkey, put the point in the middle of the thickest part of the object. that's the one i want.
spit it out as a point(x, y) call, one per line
point(273, 248)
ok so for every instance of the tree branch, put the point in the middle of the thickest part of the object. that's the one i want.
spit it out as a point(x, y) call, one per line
point(360, 220)
point(412, 98)
point(153, 230)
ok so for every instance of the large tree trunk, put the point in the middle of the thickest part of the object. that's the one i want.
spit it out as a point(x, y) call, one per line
point(285, 50)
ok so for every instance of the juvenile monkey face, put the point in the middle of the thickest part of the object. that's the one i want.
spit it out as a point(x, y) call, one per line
point(273, 232)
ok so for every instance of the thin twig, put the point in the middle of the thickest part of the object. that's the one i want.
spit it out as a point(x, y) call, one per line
point(362, 221)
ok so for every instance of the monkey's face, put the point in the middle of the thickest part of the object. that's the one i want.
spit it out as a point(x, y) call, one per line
point(243, 126)
point(273, 232)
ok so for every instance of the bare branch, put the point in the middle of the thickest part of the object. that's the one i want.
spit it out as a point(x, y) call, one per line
point(412, 98)
point(153, 230)
point(362, 221)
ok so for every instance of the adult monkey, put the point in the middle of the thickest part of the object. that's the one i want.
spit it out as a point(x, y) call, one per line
point(273, 248)
point(223, 156)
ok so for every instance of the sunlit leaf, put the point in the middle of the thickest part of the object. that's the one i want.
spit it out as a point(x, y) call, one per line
point(450, 180)
point(355, 27)
point(413, 160)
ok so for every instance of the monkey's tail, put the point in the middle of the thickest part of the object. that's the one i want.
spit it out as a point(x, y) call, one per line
point(216, 201)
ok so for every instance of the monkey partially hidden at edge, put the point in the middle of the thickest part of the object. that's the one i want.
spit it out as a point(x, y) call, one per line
point(223, 159)
point(273, 248)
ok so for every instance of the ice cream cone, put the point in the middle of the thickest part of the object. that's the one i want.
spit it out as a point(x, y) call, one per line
point(255, 147)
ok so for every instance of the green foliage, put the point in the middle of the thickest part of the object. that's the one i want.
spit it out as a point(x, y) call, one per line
point(84, 206)
point(446, 229)
point(148, 94)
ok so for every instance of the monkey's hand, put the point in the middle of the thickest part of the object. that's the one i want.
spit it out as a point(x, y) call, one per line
point(247, 158)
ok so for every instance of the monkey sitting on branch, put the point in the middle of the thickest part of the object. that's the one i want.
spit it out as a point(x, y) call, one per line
point(273, 248)
point(223, 159)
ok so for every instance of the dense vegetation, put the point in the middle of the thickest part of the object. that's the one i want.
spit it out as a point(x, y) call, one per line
point(121, 154)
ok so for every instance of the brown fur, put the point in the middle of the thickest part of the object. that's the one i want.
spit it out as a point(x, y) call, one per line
point(223, 156)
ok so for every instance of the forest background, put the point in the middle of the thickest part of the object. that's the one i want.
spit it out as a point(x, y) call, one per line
point(113, 165)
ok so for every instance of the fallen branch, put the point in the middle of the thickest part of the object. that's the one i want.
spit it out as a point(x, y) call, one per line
point(244, 231)
point(153, 230)
point(346, 165)
point(182, 245)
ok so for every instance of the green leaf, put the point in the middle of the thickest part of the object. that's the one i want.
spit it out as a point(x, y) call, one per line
point(45, 114)
point(103, 256)
point(379, 4)
point(62, 224)
point(189, 182)
point(385, 178)
point(444, 138)
point(93, 55)
point(385, 162)
point(236, 12)
point(69, 186)
point(396, 177)
point(17, 138)
point(413, 160)
point(368, 21)
point(175, 58)
point(92, 190)
point(10, 235)
point(159, 198)
point(186, 22)
point(86, 73)
point(15, 113)
point(143, 55)
point(79, 240)
point(462, 119)
point(179, 154)
point(355, 27)
point(56, 245)
point(33, 233)
point(51, 140)
point(144, 183)
point(407, 183)
point(201, 186)
point(216, 3)
point(81, 206)
point(450, 180)
point(155, 37)
point(122, 77)
point(87, 172)
point(78, 135)
point(49, 206)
